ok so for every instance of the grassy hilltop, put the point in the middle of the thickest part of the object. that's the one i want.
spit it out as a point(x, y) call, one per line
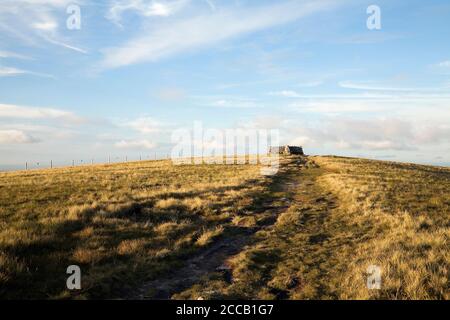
point(155, 230)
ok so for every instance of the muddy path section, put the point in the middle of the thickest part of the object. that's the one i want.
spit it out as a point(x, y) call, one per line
point(213, 260)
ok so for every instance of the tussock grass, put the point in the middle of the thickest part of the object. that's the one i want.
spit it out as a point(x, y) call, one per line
point(122, 223)
point(310, 232)
point(345, 215)
point(404, 211)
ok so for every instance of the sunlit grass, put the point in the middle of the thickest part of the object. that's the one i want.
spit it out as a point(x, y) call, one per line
point(121, 223)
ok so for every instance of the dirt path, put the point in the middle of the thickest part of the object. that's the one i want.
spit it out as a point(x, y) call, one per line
point(289, 188)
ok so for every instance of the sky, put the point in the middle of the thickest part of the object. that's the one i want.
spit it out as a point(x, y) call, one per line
point(117, 85)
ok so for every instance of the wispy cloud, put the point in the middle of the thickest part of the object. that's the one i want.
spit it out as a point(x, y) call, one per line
point(234, 103)
point(15, 137)
point(8, 54)
point(7, 71)
point(135, 144)
point(175, 37)
point(10, 72)
point(227, 102)
point(163, 8)
point(374, 134)
point(433, 110)
point(32, 21)
point(145, 125)
point(393, 96)
point(65, 45)
point(370, 86)
point(8, 111)
point(294, 94)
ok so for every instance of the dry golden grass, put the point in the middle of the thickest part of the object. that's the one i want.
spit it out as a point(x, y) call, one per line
point(310, 232)
point(343, 217)
point(404, 211)
point(121, 223)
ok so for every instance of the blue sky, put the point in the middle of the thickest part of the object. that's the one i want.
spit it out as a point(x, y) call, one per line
point(138, 69)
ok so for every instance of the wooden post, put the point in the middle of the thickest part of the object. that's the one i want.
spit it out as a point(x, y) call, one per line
point(51, 164)
point(26, 165)
point(73, 163)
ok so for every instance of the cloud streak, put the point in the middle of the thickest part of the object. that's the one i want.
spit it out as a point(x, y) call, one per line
point(144, 8)
point(369, 86)
point(8, 111)
point(175, 37)
point(11, 72)
point(32, 21)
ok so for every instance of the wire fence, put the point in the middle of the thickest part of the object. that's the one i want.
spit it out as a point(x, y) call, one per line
point(50, 164)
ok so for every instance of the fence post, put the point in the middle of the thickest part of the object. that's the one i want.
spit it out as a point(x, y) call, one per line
point(51, 164)
point(26, 165)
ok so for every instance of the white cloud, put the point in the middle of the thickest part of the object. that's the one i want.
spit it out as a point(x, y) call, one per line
point(135, 144)
point(7, 71)
point(294, 94)
point(15, 136)
point(286, 94)
point(10, 72)
point(234, 103)
point(374, 134)
point(302, 141)
point(220, 101)
point(433, 133)
point(65, 45)
point(25, 112)
point(145, 8)
point(45, 25)
point(369, 86)
point(174, 37)
point(145, 125)
point(8, 54)
point(380, 96)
